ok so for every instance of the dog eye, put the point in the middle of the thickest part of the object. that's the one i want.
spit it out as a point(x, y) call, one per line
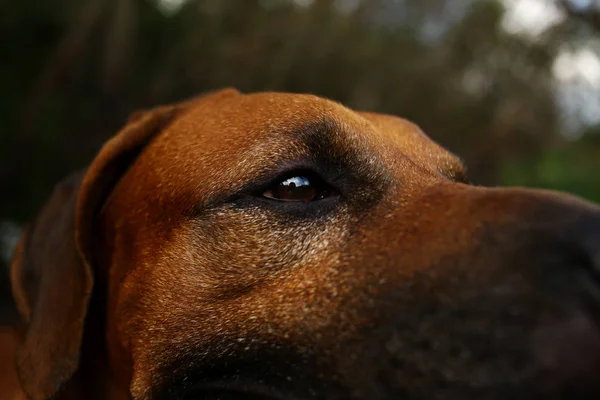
point(301, 187)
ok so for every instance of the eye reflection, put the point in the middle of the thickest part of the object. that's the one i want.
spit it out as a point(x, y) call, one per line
point(299, 188)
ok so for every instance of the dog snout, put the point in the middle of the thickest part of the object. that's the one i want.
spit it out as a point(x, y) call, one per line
point(582, 248)
point(557, 241)
point(503, 302)
point(565, 344)
point(550, 240)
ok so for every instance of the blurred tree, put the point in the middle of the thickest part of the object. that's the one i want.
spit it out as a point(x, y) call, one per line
point(586, 11)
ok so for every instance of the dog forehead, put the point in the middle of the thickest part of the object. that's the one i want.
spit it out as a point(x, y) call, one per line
point(259, 115)
point(230, 126)
point(225, 141)
point(220, 143)
point(236, 121)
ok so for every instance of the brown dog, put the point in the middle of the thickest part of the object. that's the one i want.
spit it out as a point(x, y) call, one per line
point(281, 246)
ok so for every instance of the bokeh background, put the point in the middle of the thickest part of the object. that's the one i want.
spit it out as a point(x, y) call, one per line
point(512, 86)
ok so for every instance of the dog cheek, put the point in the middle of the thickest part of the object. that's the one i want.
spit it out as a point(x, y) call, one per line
point(254, 246)
point(235, 267)
point(231, 254)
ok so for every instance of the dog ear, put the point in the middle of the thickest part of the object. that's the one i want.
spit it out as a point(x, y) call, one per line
point(52, 270)
point(52, 288)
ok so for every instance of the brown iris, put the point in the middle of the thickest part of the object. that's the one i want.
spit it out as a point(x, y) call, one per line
point(296, 188)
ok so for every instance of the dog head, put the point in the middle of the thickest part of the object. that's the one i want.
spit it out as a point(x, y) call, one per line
point(283, 246)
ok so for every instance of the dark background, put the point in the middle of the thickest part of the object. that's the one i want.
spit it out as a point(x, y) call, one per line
point(508, 98)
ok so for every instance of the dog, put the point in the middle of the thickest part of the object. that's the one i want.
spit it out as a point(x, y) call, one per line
point(283, 246)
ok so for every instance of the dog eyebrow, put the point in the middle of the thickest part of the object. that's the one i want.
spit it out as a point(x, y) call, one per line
point(318, 135)
point(455, 170)
point(330, 142)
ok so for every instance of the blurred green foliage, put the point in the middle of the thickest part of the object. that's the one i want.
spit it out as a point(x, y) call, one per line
point(573, 167)
point(72, 70)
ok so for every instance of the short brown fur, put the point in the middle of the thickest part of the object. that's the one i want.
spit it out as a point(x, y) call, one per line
point(159, 270)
